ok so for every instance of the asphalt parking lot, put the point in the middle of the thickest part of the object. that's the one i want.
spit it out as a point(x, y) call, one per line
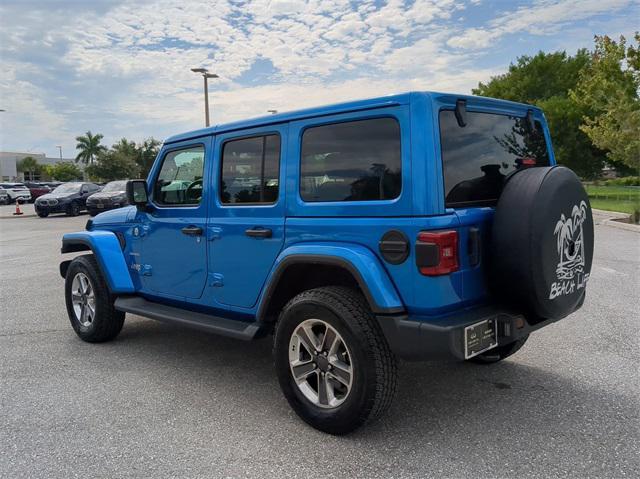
point(164, 402)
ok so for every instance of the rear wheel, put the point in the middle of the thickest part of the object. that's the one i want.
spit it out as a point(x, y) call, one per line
point(501, 352)
point(334, 365)
point(89, 303)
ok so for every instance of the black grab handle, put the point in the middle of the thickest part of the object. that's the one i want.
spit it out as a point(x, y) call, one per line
point(192, 230)
point(259, 232)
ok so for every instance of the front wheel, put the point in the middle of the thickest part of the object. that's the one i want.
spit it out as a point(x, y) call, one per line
point(43, 214)
point(89, 303)
point(73, 209)
point(334, 365)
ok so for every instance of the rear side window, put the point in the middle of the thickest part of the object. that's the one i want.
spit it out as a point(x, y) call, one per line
point(478, 157)
point(250, 170)
point(351, 161)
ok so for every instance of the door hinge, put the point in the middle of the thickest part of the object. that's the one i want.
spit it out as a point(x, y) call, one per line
point(216, 280)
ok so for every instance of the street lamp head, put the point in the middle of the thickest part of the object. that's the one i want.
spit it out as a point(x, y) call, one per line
point(199, 70)
point(211, 75)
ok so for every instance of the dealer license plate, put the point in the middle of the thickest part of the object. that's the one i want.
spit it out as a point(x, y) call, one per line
point(480, 337)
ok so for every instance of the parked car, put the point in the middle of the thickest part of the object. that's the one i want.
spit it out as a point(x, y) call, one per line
point(4, 196)
point(37, 189)
point(112, 195)
point(416, 226)
point(52, 184)
point(69, 198)
point(16, 191)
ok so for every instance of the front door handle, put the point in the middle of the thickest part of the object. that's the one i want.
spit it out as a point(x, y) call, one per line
point(192, 230)
point(259, 232)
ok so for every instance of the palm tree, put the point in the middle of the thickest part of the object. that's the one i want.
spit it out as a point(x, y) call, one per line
point(89, 147)
point(28, 165)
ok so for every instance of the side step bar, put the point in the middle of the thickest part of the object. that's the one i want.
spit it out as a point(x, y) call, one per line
point(204, 322)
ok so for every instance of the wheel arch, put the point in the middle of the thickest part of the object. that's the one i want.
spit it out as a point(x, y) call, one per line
point(335, 264)
point(107, 250)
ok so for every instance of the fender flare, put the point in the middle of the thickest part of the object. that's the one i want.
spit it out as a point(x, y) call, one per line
point(364, 266)
point(108, 252)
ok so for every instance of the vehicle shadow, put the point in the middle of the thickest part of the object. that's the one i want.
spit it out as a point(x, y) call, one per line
point(511, 412)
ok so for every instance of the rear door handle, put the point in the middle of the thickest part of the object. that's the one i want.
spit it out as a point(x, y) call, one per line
point(192, 230)
point(259, 232)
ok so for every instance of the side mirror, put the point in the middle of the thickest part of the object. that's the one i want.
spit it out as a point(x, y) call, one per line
point(137, 193)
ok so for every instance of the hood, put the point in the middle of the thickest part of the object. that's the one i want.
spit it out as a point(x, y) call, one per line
point(117, 216)
point(107, 194)
point(51, 196)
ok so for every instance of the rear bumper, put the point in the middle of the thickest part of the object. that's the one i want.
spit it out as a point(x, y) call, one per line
point(419, 340)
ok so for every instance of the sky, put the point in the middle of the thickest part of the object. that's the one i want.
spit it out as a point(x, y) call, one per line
point(122, 68)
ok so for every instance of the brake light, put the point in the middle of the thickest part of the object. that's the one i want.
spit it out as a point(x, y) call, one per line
point(437, 252)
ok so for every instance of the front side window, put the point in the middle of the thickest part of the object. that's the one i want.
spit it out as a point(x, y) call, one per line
point(352, 161)
point(180, 179)
point(478, 157)
point(250, 170)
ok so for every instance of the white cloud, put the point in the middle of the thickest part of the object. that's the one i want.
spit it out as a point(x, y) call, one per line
point(542, 18)
point(124, 68)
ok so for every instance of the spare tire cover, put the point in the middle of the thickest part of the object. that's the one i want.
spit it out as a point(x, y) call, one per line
point(542, 242)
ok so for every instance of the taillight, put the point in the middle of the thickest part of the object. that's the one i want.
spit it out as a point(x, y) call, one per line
point(437, 252)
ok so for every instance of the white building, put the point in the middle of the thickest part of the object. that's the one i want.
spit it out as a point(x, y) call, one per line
point(10, 159)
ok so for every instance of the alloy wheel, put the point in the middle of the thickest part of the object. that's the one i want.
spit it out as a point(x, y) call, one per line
point(320, 363)
point(83, 299)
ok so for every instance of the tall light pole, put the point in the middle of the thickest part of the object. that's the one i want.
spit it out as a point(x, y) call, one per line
point(60, 148)
point(206, 75)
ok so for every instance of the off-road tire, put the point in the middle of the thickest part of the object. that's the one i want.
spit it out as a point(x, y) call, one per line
point(374, 365)
point(73, 209)
point(501, 352)
point(108, 321)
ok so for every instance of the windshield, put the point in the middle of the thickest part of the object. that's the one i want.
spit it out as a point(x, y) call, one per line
point(115, 186)
point(478, 157)
point(67, 188)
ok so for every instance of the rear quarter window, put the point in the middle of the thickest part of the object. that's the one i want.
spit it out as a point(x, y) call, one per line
point(351, 161)
point(478, 158)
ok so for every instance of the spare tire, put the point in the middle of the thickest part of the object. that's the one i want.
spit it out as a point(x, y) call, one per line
point(542, 243)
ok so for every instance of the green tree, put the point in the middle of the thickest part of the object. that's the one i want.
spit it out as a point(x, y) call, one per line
point(28, 165)
point(114, 164)
point(608, 91)
point(126, 148)
point(64, 171)
point(147, 152)
point(89, 147)
point(545, 80)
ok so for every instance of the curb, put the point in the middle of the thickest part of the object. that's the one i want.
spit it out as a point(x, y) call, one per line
point(616, 220)
point(12, 217)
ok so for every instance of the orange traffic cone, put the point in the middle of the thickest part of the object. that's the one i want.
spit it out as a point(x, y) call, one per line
point(18, 212)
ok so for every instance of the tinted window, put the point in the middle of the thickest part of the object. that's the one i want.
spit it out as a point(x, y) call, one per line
point(250, 169)
point(180, 179)
point(352, 161)
point(478, 157)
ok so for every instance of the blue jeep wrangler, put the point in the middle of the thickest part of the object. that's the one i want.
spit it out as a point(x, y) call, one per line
point(416, 226)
